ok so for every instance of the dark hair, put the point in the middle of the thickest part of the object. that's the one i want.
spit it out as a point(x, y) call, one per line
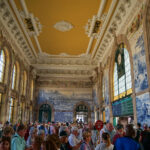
point(119, 126)
point(130, 130)
point(21, 127)
point(106, 137)
point(7, 130)
point(50, 144)
point(139, 124)
point(6, 138)
point(38, 141)
point(55, 139)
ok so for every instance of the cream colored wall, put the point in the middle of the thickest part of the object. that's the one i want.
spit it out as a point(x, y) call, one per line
point(7, 92)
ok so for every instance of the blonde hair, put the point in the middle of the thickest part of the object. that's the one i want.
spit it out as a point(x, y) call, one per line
point(86, 134)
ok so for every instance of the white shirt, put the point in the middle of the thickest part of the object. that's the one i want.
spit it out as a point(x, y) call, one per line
point(102, 146)
point(73, 141)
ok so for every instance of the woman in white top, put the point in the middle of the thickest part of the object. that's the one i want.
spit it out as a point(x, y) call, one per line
point(106, 145)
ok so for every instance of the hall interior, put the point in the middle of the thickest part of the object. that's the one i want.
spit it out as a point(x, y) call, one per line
point(80, 60)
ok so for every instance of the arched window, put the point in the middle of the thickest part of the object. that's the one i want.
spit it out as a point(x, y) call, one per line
point(24, 83)
point(15, 76)
point(2, 65)
point(103, 89)
point(32, 87)
point(11, 110)
point(122, 73)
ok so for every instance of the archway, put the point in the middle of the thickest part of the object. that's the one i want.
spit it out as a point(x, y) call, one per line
point(82, 112)
point(45, 113)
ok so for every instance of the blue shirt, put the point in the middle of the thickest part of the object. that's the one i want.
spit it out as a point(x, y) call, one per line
point(17, 143)
point(126, 143)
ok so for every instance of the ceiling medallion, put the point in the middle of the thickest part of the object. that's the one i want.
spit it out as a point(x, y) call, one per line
point(63, 26)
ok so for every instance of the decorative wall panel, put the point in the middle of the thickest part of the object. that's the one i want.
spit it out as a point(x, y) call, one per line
point(63, 102)
point(140, 69)
point(107, 114)
point(143, 108)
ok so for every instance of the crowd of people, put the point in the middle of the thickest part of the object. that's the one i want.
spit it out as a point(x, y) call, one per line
point(73, 136)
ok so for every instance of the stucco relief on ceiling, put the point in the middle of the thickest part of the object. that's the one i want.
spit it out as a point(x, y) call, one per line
point(63, 26)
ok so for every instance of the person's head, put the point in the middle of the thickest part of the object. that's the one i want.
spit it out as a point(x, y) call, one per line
point(55, 139)
point(5, 143)
point(109, 127)
point(74, 131)
point(106, 139)
point(139, 125)
point(41, 133)
point(8, 131)
point(129, 131)
point(87, 136)
point(63, 137)
point(37, 142)
point(21, 130)
point(33, 132)
point(49, 144)
point(145, 126)
point(120, 128)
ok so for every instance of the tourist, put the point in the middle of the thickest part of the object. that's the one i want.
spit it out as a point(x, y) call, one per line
point(18, 142)
point(106, 143)
point(119, 133)
point(5, 143)
point(73, 141)
point(127, 142)
point(87, 138)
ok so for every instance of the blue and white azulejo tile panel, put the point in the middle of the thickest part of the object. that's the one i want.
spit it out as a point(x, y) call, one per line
point(139, 65)
point(143, 108)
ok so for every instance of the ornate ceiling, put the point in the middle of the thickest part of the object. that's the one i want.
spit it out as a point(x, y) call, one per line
point(62, 38)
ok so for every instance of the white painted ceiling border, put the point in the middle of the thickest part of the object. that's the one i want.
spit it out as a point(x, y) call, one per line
point(102, 6)
point(113, 4)
point(22, 25)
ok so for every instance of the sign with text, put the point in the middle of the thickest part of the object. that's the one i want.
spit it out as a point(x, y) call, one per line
point(99, 124)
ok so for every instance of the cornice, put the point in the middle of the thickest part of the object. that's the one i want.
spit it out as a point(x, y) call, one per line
point(64, 84)
point(12, 27)
point(121, 14)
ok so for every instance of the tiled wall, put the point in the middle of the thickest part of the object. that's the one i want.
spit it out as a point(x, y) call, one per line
point(139, 65)
point(143, 108)
point(64, 103)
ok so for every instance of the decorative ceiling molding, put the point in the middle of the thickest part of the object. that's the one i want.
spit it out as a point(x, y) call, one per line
point(8, 19)
point(43, 54)
point(65, 66)
point(63, 26)
point(132, 9)
point(63, 79)
point(65, 84)
point(62, 71)
point(120, 15)
point(113, 4)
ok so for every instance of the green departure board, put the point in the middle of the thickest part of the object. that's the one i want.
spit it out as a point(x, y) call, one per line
point(122, 107)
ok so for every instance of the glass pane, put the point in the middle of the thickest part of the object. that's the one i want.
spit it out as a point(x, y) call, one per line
point(10, 109)
point(13, 77)
point(2, 65)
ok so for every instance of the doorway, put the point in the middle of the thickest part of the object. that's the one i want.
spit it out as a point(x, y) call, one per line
point(45, 113)
point(82, 114)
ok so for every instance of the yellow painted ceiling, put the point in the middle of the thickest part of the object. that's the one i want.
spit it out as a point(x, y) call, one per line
point(76, 12)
